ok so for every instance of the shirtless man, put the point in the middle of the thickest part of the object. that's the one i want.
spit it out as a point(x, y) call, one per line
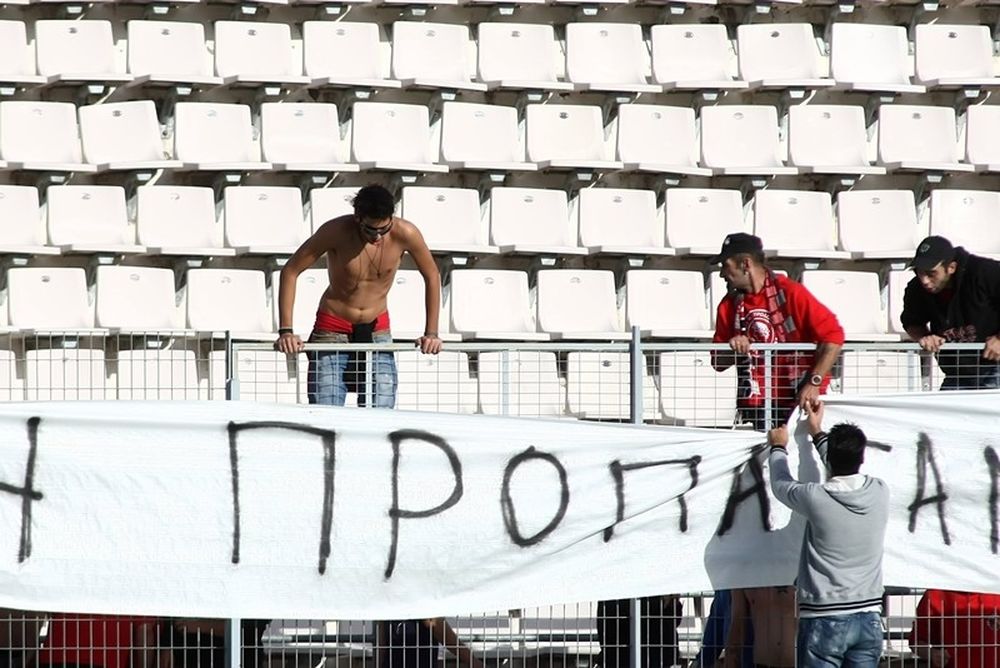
point(363, 252)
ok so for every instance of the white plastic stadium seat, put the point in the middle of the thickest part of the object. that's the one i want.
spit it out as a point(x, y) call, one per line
point(440, 383)
point(346, 54)
point(309, 289)
point(66, 374)
point(266, 376)
point(667, 303)
point(693, 56)
point(433, 55)
point(325, 204)
point(698, 219)
point(741, 140)
point(17, 57)
point(796, 223)
point(228, 299)
point(532, 220)
point(781, 56)
point(492, 304)
point(896, 283)
point(77, 51)
point(123, 136)
point(871, 58)
point(878, 224)
point(406, 305)
point(11, 384)
point(954, 56)
point(919, 138)
point(519, 56)
point(855, 296)
point(49, 298)
point(41, 136)
point(607, 57)
point(482, 137)
point(982, 137)
point(829, 139)
point(215, 137)
point(658, 138)
point(158, 374)
point(254, 52)
point(179, 220)
point(169, 52)
point(303, 137)
point(969, 218)
point(520, 383)
point(578, 304)
point(387, 136)
point(879, 371)
point(90, 219)
point(137, 299)
point(619, 221)
point(448, 218)
point(22, 230)
point(264, 220)
point(567, 136)
point(693, 394)
point(598, 386)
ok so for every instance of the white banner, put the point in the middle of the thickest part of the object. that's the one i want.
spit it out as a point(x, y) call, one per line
point(233, 509)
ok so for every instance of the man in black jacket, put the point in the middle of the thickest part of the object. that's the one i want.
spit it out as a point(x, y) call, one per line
point(955, 297)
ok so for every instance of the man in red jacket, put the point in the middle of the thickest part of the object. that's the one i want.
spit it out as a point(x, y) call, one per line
point(957, 629)
point(764, 307)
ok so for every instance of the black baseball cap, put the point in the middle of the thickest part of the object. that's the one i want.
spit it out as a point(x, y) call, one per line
point(736, 243)
point(931, 252)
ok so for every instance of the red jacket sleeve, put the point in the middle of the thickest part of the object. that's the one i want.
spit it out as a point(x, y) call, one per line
point(816, 323)
point(724, 316)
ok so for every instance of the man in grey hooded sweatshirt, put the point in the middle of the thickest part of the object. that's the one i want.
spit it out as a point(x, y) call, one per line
point(840, 566)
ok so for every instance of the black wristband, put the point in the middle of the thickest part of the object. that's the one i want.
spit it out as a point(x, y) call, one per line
point(285, 330)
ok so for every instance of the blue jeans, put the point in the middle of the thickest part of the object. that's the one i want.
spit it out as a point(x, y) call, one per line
point(333, 374)
point(850, 641)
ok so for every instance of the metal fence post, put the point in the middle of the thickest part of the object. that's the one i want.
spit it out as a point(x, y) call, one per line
point(635, 412)
point(232, 638)
point(232, 382)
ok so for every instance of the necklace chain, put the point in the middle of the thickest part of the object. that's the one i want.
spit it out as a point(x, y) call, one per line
point(376, 265)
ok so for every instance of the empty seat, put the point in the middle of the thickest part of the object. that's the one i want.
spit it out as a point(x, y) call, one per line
point(268, 376)
point(741, 140)
point(607, 57)
point(566, 136)
point(215, 137)
point(694, 394)
point(123, 136)
point(855, 296)
point(407, 308)
point(393, 137)
point(829, 139)
point(433, 55)
point(693, 56)
point(309, 290)
point(49, 298)
point(519, 56)
point(448, 218)
point(781, 56)
point(345, 54)
point(482, 137)
point(667, 303)
point(896, 283)
point(77, 51)
point(619, 221)
point(878, 224)
point(90, 219)
point(871, 58)
point(11, 383)
point(41, 136)
point(532, 220)
point(698, 219)
point(264, 220)
point(658, 138)
point(520, 383)
point(325, 204)
point(136, 299)
point(578, 304)
point(796, 223)
point(22, 230)
point(168, 53)
point(474, 298)
point(17, 57)
point(158, 374)
point(66, 374)
point(954, 56)
point(982, 139)
point(303, 137)
point(228, 299)
point(969, 218)
point(879, 371)
point(598, 386)
point(254, 52)
point(439, 383)
point(178, 220)
point(919, 138)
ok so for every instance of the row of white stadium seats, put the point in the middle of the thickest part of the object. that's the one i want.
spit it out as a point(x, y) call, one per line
point(681, 388)
point(307, 137)
point(663, 303)
point(598, 56)
point(873, 225)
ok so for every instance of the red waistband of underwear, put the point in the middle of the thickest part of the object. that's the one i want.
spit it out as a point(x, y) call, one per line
point(328, 322)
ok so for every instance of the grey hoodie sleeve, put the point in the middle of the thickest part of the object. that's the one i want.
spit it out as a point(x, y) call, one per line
point(787, 489)
point(821, 441)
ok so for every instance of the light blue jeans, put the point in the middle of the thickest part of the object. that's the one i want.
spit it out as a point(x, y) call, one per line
point(333, 374)
point(847, 641)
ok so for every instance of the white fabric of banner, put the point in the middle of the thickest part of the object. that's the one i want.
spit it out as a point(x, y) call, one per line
point(249, 510)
